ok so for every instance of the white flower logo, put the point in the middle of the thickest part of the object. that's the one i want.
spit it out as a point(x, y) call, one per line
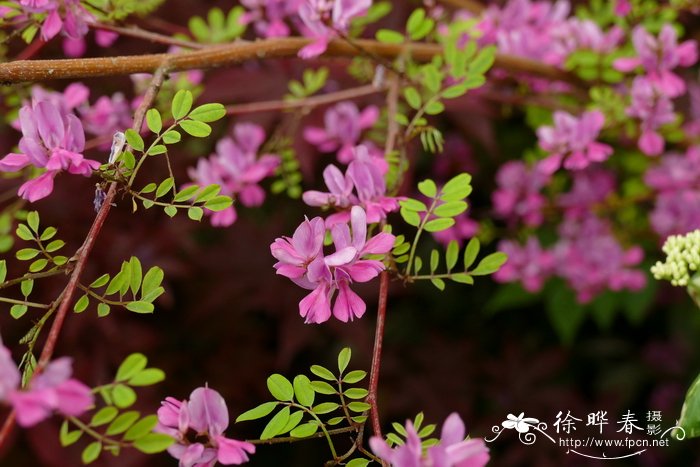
point(520, 423)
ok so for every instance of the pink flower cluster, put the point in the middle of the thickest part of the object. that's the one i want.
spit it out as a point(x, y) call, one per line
point(362, 184)
point(320, 20)
point(198, 425)
point(676, 181)
point(572, 141)
point(238, 169)
point(52, 138)
point(518, 196)
point(301, 259)
point(452, 450)
point(344, 124)
point(53, 390)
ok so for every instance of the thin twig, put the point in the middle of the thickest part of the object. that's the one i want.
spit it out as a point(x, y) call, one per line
point(230, 54)
point(471, 6)
point(377, 352)
point(134, 31)
point(290, 439)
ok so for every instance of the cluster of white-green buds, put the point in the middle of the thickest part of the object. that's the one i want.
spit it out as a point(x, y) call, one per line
point(682, 259)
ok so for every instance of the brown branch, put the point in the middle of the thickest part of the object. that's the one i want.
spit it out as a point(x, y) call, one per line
point(471, 6)
point(138, 33)
point(377, 353)
point(315, 101)
point(291, 439)
point(230, 54)
point(83, 253)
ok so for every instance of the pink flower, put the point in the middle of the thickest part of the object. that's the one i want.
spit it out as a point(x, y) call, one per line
point(53, 139)
point(301, 259)
point(107, 115)
point(362, 185)
point(518, 195)
point(324, 19)
point(197, 425)
point(344, 124)
point(658, 56)
point(269, 15)
point(529, 264)
point(49, 391)
point(237, 168)
point(572, 141)
point(452, 450)
point(654, 109)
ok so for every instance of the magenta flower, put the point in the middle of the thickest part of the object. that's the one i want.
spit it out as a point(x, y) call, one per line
point(658, 56)
point(301, 259)
point(198, 425)
point(590, 187)
point(518, 196)
point(269, 15)
point(344, 124)
point(49, 391)
point(324, 19)
point(52, 139)
point(237, 168)
point(529, 264)
point(107, 115)
point(654, 109)
point(572, 141)
point(452, 451)
point(362, 185)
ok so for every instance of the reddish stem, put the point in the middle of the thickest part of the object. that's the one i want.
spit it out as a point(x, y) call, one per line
point(377, 353)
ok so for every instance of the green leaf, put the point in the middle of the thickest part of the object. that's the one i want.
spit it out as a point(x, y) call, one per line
point(140, 307)
point(132, 365)
point(358, 463)
point(68, 437)
point(325, 408)
point(26, 287)
point(147, 377)
point(471, 252)
point(135, 275)
point(438, 225)
point(122, 423)
point(208, 112)
point(263, 410)
point(134, 139)
point(323, 372)
point(3, 271)
point(141, 428)
point(356, 393)
point(434, 108)
point(208, 193)
point(490, 264)
point(389, 37)
point(417, 264)
point(411, 217)
point(153, 443)
point(102, 310)
point(428, 188)
point(457, 188)
point(434, 260)
point(305, 430)
point(195, 213)
point(462, 278)
point(413, 205)
point(24, 233)
point(358, 406)
point(276, 424)
point(38, 265)
point(165, 186)
point(303, 391)
point(91, 452)
point(17, 311)
point(450, 209)
point(412, 97)
point(151, 281)
point(81, 304)
point(186, 193)
point(123, 396)
point(439, 283)
point(451, 255)
point(100, 281)
point(33, 221)
point(154, 121)
point(104, 416)
point(690, 413)
point(483, 60)
point(172, 137)
point(294, 420)
point(55, 245)
point(195, 128)
point(280, 387)
point(148, 188)
point(182, 103)
point(171, 211)
point(322, 387)
point(354, 376)
point(157, 149)
point(218, 203)
point(26, 254)
point(344, 359)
